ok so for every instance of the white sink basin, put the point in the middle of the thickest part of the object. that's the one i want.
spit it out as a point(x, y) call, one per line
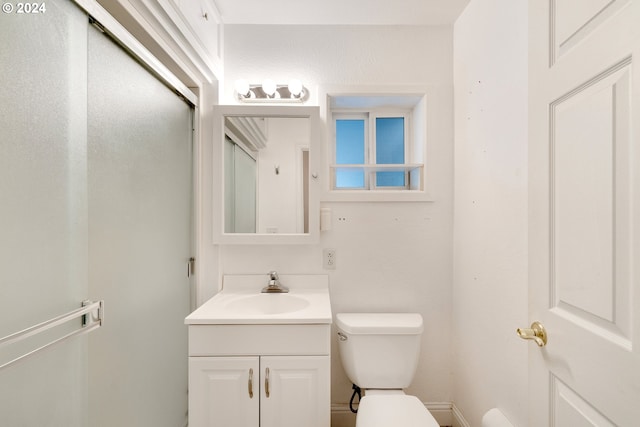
point(267, 304)
point(241, 302)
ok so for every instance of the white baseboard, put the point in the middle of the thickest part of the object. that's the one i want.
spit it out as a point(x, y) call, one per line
point(458, 418)
point(444, 412)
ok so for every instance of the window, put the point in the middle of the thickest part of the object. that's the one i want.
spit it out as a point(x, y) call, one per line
point(377, 143)
point(372, 149)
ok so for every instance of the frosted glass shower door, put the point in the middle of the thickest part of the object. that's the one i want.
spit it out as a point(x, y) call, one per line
point(95, 202)
point(43, 211)
point(240, 181)
point(139, 163)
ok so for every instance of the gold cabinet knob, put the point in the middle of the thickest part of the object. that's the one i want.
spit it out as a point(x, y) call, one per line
point(536, 332)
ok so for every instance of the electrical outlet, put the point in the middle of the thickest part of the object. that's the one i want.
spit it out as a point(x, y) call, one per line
point(329, 259)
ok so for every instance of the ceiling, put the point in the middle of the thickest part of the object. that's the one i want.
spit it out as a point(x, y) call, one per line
point(341, 12)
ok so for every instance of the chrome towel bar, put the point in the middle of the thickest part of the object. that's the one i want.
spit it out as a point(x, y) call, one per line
point(91, 313)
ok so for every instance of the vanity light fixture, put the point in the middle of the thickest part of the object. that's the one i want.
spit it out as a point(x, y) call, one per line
point(269, 88)
point(270, 91)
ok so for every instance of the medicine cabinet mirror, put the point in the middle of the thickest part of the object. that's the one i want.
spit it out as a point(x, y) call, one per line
point(266, 167)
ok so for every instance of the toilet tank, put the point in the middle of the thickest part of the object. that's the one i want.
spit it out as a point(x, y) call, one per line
point(379, 350)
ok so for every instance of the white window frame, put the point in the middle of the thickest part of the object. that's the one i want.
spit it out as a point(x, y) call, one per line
point(351, 115)
point(425, 123)
point(408, 142)
point(370, 115)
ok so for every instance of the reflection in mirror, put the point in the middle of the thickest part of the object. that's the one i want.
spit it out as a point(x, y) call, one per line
point(266, 175)
point(240, 189)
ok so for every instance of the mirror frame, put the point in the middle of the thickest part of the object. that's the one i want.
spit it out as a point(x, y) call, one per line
point(270, 111)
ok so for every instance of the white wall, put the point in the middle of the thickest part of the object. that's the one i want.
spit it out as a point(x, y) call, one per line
point(390, 256)
point(345, 55)
point(490, 220)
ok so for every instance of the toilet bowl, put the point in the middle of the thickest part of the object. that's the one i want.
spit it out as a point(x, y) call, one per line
point(379, 352)
point(393, 410)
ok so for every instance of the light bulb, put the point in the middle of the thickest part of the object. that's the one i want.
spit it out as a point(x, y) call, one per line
point(242, 87)
point(295, 87)
point(269, 87)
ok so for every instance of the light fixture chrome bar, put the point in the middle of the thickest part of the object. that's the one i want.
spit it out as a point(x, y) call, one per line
point(282, 94)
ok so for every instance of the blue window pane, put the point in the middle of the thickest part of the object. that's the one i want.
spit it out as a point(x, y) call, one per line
point(350, 150)
point(390, 150)
point(349, 179)
point(350, 142)
point(390, 140)
point(390, 179)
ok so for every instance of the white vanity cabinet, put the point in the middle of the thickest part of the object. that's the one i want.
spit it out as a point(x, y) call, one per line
point(265, 391)
point(259, 359)
point(223, 391)
point(259, 375)
point(299, 392)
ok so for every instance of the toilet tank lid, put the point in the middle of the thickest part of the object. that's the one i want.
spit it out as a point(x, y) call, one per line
point(380, 323)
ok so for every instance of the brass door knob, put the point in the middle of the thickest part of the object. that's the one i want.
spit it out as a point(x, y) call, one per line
point(536, 332)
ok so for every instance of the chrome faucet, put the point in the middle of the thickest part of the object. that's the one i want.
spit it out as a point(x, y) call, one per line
point(274, 284)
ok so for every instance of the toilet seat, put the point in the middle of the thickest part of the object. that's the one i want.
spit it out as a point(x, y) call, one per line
point(381, 410)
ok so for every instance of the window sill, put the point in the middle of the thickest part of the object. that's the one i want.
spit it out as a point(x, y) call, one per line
point(380, 194)
point(381, 167)
point(377, 196)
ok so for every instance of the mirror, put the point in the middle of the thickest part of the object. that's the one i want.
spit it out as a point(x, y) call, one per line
point(265, 174)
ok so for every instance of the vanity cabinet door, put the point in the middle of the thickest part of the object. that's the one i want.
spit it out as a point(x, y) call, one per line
point(224, 391)
point(295, 391)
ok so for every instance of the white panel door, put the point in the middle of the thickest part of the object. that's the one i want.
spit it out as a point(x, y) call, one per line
point(224, 391)
point(295, 391)
point(584, 212)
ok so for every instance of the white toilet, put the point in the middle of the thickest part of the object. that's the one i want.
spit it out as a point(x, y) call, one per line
point(380, 352)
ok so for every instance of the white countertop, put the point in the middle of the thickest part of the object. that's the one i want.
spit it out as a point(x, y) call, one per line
point(308, 299)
